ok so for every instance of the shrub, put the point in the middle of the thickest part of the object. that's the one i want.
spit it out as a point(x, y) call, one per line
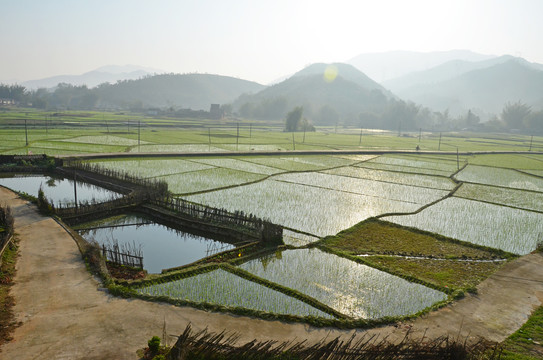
point(154, 344)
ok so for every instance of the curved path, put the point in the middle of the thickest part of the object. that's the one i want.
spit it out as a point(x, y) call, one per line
point(64, 313)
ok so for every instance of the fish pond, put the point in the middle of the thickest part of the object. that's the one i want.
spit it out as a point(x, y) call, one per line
point(162, 247)
point(57, 189)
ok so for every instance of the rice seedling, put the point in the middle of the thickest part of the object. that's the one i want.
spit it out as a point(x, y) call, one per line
point(403, 169)
point(385, 190)
point(356, 158)
point(104, 140)
point(523, 162)
point(147, 168)
point(353, 289)
point(174, 148)
point(432, 182)
point(239, 164)
point(74, 146)
point(503, 196)
point(416, 163)
point(500, 177)
point(301, 163)
point(310, 209)
point(535, 172)
point(209, 179)
point(224, 288)
point(252, 147)
point(500, 227)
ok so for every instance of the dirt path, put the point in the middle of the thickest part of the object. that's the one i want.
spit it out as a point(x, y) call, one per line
point(66, 315)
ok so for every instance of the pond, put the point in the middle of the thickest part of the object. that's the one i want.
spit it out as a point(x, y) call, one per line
point(162, 247)
point(57, 189)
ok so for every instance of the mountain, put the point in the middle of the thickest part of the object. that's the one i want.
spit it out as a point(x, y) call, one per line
point(447, 71)
point(109, 74)
point(194, 91)
point(392, 64)
point(345, 71)
point(344, 95)
point(486, 89)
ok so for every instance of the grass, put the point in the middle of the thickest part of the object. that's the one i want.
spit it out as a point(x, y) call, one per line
point(7, 272)
point(453, 274)
point(526, 342)
point(384, 238)
point(444, 260)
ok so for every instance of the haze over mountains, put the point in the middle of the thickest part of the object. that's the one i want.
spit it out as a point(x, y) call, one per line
point(484, 87)
point(454, 81)
point(109, 74)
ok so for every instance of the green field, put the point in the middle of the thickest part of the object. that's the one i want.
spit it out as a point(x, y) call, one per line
point(451, 220)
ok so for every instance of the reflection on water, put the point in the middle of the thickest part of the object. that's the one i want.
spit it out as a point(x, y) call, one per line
point(162, 246)
point(57, 189)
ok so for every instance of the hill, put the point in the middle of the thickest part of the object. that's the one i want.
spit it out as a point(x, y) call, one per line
point(194, 91)
point(325, 101)
point(486, 89)
point(109, 74)
point(393, 64)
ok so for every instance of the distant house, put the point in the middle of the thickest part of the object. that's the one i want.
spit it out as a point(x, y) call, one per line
point(215, 111)
point(7, 102)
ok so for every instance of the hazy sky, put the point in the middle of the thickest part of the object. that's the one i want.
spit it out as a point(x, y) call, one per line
point(256, 40)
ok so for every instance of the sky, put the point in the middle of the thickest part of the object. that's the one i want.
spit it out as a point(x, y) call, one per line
point(256, 40)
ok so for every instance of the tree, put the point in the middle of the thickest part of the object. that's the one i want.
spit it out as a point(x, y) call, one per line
point(327, 115)
point(471, 119)
point(293, 119)
point(514, 114)
point(534, 122)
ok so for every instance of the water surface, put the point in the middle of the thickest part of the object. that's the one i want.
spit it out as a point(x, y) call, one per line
point(162, 246)
point(57, 189)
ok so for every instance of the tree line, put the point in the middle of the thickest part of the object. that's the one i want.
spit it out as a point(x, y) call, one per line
point(391, 114)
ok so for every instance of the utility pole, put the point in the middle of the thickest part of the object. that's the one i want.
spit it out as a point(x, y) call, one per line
point(138, 135)
point(420, 133)
point(26, 134)
point(293, 144)
point(360, 138)
point(439, 146)
point(75, 189)
point(237, 138)
point(303, 141)
point(250, 130)
point(457, 160)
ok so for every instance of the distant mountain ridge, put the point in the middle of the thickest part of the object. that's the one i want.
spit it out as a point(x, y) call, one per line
point(108, 73)
point(447, 71)
point(393, 64)
point(486, 88)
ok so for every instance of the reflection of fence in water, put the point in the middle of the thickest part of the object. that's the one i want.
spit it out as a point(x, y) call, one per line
point(127, 255)
point(217, 247)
